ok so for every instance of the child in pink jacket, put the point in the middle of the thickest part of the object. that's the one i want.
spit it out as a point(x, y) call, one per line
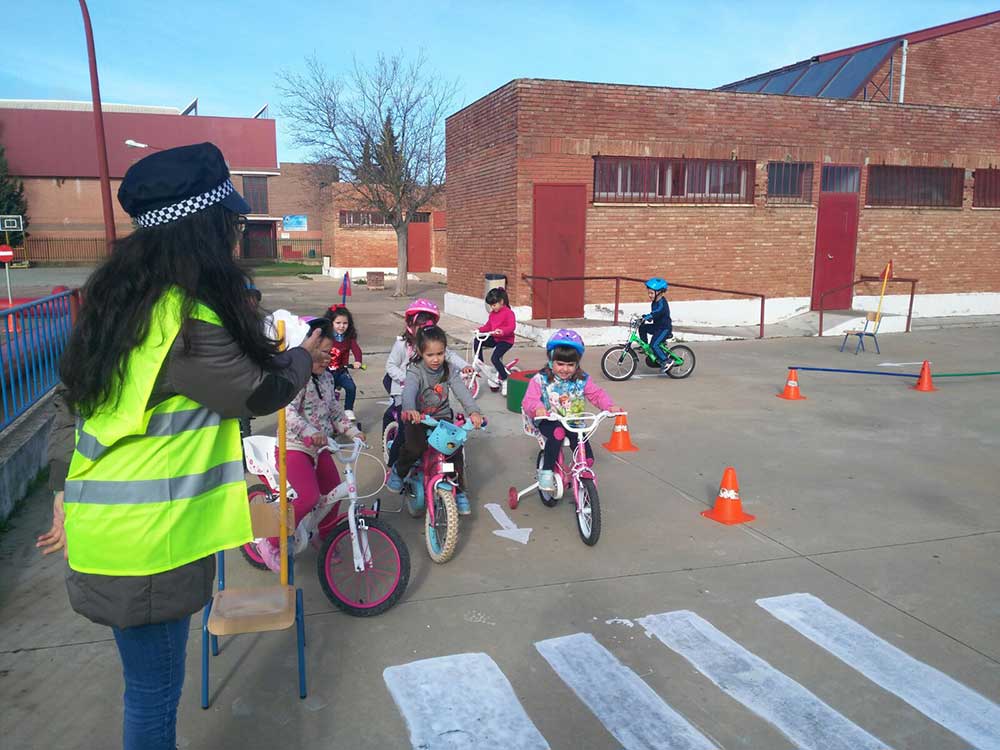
point(562, 387)
point(500, 326)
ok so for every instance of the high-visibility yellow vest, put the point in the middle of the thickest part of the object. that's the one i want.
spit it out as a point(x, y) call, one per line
point(149, 490)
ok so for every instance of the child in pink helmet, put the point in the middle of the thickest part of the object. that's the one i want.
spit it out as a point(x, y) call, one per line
point(561, 387)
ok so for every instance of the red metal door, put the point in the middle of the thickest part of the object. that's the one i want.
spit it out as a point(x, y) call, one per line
point(418, 244)
point(558, 239)
point(836, 237)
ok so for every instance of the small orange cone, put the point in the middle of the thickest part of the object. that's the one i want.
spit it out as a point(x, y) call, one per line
point(620, 441)
point(728, 508)
point(791, 391)
point(924, 382)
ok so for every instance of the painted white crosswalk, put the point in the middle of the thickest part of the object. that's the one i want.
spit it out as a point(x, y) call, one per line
point(806, 720)
point(461, 701)
point(951, 704)
point(627, 707)
point(465, 700)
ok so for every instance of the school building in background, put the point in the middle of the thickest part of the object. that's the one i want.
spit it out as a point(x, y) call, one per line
point(299, 212)
point(788, 184)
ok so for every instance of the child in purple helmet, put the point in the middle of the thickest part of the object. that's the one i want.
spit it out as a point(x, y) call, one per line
point(563, 388)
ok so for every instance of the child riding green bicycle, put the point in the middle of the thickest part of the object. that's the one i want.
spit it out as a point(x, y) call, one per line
point(648, 336)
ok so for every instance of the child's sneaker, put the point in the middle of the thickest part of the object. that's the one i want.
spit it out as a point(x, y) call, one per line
point(349, 413)
point(546, 480)
point(394, 481)
point(462, 501)
point(270, 555)
point(667, 364)
point(503, 387)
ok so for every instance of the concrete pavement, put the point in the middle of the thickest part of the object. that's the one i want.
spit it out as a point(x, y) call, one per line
point(879, 500)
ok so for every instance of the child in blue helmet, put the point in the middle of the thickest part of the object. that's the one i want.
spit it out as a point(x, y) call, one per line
point(563, 388)
point(658, 325)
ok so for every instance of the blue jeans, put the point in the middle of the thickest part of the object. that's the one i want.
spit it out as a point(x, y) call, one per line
point(659, 335)
point(153, 666)
point(342, 379)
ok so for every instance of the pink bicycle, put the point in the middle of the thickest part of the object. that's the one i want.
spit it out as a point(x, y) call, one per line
point(432, 484)
point(364, 564)
point(580, 475)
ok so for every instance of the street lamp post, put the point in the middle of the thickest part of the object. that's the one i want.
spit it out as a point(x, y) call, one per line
point(102, 148)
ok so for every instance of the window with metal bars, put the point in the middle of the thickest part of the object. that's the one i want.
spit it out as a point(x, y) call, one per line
point(634, 180)
point(789, 182)
point(255, 192)
point(363, 219)
point(420, 217)
point(986, 188)
point(933, 187)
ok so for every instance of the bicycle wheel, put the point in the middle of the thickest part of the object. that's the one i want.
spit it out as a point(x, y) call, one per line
point(548, 499)
point(380, 585)
point(415, 500)
point(388, 435)
point(255, 494)
point(442, 535)
point(685, 367)
point(619, 363)
point(588, 514)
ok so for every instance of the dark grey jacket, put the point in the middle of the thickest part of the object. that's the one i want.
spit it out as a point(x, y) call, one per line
point(217, 375)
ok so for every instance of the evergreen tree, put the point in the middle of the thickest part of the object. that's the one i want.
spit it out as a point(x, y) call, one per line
point(12, 200)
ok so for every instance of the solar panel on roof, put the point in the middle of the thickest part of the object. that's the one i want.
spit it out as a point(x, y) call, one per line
point(780, 82)
point(857, 71)
point(746, 86)
point(814, 79)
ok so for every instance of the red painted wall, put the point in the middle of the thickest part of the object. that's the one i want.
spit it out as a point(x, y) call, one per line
point(59, 143)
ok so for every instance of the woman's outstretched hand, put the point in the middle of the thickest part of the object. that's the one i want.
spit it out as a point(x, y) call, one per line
point(55, 538)
point(319, 353)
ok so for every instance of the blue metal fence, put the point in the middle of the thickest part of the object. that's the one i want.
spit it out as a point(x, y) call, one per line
point(32, 339)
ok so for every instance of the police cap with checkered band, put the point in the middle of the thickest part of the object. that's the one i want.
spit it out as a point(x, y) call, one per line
point(177, 182)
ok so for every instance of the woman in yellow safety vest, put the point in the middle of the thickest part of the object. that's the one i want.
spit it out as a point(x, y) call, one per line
point(164, 359)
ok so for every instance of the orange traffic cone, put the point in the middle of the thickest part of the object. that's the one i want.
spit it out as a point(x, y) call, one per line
point(728, 508)
point(924, 382)
point(620, 441)
point(791, 391)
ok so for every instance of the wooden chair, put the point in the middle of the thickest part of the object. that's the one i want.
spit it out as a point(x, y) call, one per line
point(871, 319)
point(258, 609)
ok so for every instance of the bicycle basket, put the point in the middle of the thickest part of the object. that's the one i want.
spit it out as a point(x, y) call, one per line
point(446, 438)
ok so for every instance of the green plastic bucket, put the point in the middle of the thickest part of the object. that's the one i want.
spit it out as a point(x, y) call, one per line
point(517, 386)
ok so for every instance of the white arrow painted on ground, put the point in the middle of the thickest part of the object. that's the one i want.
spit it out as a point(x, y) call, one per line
point(508, 529)
point(900, 364)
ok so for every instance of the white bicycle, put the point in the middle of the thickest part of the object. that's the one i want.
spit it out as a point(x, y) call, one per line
point(364, 564)
point(480, 369)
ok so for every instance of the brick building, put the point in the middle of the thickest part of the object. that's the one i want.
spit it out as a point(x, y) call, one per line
point(51, 147)
point(339, 226)
point(788, 184)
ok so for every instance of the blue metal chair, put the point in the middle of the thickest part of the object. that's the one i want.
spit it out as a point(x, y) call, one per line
point(871, 319)
point(258, 609)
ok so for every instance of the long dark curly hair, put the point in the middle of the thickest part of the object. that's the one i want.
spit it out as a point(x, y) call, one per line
point(194, 254)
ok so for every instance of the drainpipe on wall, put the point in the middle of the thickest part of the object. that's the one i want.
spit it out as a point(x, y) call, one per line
point(902, 72)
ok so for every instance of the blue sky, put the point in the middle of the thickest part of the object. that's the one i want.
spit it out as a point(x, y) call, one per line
point(227, 53)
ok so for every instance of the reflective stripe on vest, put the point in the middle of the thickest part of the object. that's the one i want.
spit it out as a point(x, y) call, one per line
point(150, 490)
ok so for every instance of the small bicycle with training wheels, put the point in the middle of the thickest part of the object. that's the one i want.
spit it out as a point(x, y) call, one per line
point(580, 475)
point(481, 369)
point(364, 564)
point(620, 362)
point(435, 477)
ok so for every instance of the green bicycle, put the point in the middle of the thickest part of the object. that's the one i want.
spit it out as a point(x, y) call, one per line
point(621, 361)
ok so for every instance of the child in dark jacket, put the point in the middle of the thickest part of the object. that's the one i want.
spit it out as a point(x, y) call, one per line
point(658, 326)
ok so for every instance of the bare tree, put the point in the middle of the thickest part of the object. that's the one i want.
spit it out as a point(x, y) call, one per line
point(381, 127)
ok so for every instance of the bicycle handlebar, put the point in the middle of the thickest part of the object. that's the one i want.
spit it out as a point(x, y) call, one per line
point(591, 421)
point(356, 446)
point(468, 426)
